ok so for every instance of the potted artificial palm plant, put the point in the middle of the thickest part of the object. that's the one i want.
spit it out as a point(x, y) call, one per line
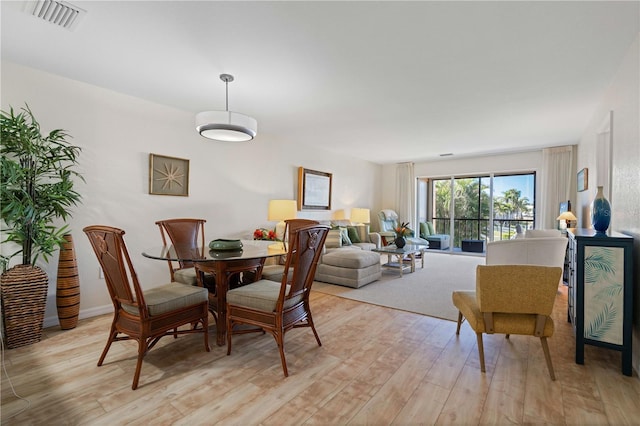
point(37, 179)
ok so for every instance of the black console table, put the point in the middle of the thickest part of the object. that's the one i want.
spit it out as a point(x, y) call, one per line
point(601, 291)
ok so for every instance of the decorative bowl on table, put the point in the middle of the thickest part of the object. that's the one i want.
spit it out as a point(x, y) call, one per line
point(225, 245)
point(224, 254)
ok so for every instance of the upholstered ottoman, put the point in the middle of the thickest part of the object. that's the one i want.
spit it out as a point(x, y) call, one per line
point(438, 241)
point(350, 268)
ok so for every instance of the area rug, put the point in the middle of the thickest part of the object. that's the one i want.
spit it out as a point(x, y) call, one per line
point(426, 291)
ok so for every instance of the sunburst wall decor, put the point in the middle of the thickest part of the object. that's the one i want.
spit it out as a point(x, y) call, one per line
point(168, 175)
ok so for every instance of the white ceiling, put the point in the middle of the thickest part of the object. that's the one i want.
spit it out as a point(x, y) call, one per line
point(384, 81)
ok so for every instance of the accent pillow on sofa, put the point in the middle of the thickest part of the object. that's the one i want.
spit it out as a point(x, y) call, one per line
point(352, 231)
point(344, 232)
point(334, 238)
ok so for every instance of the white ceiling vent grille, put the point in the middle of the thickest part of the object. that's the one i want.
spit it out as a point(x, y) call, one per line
point(58, 13)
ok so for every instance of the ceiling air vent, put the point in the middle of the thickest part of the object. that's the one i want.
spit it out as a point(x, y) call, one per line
point(58, 13)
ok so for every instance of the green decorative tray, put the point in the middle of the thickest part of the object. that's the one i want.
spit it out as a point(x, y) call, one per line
point(224, 245)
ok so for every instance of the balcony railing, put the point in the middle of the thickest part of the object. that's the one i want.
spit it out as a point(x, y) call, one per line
point(478, 229)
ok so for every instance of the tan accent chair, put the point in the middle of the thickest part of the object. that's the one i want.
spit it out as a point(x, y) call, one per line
point(144, 316)
point(274, 307)
point(186, 236)
point(510, 299)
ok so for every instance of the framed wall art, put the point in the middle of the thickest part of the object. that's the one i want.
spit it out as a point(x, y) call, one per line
point(314, 190)
point(168, 175)
point(583, 180)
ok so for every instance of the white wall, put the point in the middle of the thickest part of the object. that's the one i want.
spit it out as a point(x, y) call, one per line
point(623, 98)
point(230, 184)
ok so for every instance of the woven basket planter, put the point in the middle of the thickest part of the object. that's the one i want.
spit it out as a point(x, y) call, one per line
point(24, 297)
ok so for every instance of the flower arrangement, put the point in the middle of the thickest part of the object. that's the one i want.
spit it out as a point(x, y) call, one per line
point(264, 234)
point(403, 230)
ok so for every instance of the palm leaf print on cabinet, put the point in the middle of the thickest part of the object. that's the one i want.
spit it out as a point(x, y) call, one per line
point(603, 287)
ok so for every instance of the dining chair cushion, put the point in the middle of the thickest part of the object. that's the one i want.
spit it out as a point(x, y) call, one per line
point(466, 302)
point(170, 297)
point(186, 276)
point(261, 295)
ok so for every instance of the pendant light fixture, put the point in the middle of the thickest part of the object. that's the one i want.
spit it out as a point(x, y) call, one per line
point(226, 125)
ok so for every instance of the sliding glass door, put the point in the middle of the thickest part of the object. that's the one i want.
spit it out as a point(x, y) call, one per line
point(480, 208)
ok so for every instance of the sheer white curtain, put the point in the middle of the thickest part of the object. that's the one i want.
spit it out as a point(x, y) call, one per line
point(405, 201)
point(558, 175)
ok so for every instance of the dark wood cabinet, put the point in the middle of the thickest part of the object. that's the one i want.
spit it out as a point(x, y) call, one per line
point(601, 291)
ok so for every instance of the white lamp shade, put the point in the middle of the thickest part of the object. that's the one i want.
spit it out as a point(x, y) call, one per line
point(226, 126)
point(567, 216)
point(360, 215)
point(282, 210)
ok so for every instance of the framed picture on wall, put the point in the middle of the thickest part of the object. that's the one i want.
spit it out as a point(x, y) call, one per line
point(168, 175)
point(583, 180)
point(314, 190)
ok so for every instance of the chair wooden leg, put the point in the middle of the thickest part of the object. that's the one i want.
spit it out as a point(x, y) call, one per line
point(547, 356)
point(142, 348)
point(459, 322)
point(205, 330)
point(229, 326)
point(480, 351)
point(112, 338)
point(279, 336)
point(313, 328)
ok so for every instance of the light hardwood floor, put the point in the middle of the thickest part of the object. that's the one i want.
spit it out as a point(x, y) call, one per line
point(377, 366)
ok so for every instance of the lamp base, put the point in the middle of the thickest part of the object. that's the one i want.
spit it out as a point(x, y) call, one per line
point(277, 246)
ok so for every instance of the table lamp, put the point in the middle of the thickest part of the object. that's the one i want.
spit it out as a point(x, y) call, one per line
point(567, 217)
point(282, 210)
point(360, 218)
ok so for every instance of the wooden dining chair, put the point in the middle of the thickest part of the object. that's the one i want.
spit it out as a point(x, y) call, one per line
point(144, 315)
point(279, 307)
point(187, 238)
point(274, 272)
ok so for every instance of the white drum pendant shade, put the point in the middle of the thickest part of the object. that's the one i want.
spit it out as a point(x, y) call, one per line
point(226, 126)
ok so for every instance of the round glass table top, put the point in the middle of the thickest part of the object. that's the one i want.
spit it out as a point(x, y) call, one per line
point(251, 249)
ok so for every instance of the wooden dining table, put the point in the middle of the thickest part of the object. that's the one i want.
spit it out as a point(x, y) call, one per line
point(224, 265)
